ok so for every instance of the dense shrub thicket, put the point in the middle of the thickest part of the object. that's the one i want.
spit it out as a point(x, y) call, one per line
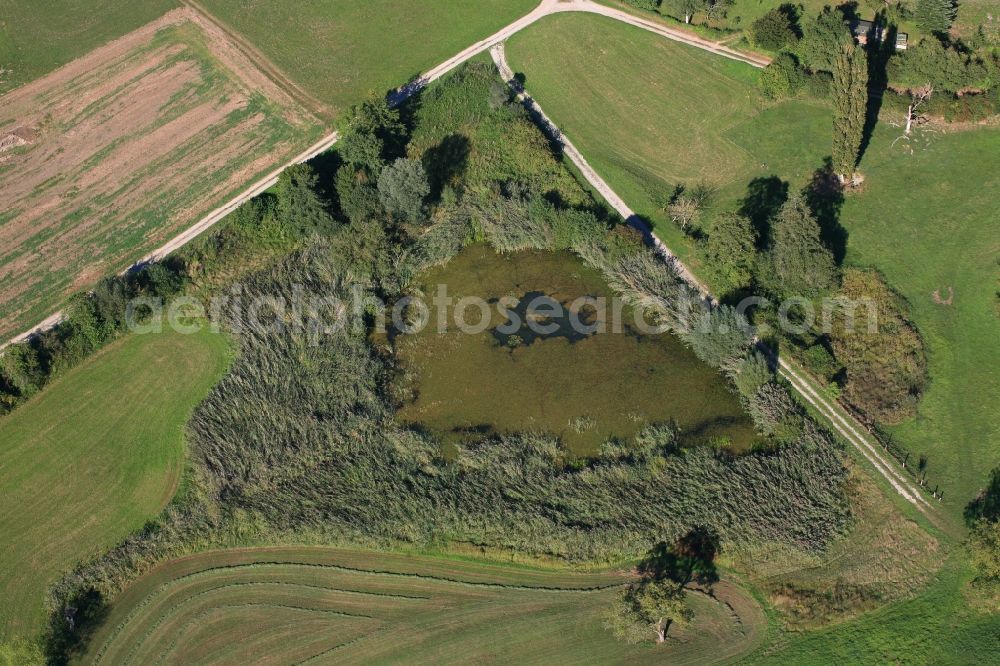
point(299, 439)
point(90, 321)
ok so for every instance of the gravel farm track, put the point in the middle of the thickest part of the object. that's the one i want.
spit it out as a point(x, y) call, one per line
point(846, 426)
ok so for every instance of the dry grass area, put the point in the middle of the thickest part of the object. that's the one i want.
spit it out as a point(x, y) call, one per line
point(886, 557)
point(116, 152)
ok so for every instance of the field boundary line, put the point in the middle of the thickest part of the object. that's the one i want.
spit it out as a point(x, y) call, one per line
point(843, 426)
point(545, 8)
point(260, 61)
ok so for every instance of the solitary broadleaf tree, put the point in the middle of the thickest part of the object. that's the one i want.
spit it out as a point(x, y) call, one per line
point(685, 8)
point(850, 104)
point(646, 610)
point(402, 187)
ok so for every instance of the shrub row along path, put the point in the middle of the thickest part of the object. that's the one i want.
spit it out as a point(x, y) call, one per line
point(845, 425)
point(545, 8)
point(848, 428)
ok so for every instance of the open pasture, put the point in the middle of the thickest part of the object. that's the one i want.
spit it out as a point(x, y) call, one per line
point(649, 113)
point(111, 155)
point(92, 458)
point(324, 605)
point(339, 50)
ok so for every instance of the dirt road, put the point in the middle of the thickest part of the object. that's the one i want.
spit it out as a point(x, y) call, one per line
point(545, 8)
point(847, 427)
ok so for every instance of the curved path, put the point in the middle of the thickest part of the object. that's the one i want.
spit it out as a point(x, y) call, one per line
point(848, 427)
point(843, 424)
point(545, 8)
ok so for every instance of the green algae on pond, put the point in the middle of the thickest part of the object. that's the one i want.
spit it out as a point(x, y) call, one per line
point(586, 388)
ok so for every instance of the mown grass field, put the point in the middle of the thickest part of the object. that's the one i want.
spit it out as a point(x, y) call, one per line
point(648, 113)
point(324, 605)
point(92, 458)
point(37, 37)
point(929, 221)
point(341, 49)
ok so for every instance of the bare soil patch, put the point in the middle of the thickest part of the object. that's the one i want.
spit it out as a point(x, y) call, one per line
point(116, 152)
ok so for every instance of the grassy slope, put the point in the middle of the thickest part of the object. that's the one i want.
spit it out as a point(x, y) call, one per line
point(664, 118)
point(340, 49)
point(927, 220)
point(936, 627)
point(924, 219)
point(38, 37)
point(79, 471)
point(362, 607)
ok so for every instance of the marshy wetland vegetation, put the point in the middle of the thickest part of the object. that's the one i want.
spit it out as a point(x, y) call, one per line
point(300, 441)
point(578, 383)
point(338, 440)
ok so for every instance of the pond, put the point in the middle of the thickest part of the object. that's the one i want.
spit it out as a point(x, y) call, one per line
point(542, 352)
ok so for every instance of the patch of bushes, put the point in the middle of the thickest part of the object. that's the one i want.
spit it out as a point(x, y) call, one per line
point(775, 30)
point(885, 363)
point(90, 321)
point(299, 438)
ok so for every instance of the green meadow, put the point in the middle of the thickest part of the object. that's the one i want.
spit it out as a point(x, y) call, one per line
point(93, 457)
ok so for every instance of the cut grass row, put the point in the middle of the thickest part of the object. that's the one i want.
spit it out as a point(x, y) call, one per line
point(649, 113)
point(344, 606)
point(92, 458)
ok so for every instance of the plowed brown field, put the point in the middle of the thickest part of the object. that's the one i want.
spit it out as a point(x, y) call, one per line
point(116, 152)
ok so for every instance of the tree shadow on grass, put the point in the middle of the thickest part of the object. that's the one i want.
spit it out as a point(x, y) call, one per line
point(825, 197)
point(878, 81)
point(690, 558)
point(447, 162)
point(765, 195)
point(72, 626)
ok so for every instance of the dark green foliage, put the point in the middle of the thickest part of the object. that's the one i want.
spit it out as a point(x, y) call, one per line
point(798, 263)
point(932, 64)
point(886, 364)
point(650, 5)
point(819, 85)
point(300, 439)
point(720, 336)
point(782, 78)
point(850, 104)
point(402, 188)
point(823, 38)
point(358, 197)
point(934, 15)
point(300, 207)
point(22, 374)
point(774, 30)
point(71, 625)
point(373, 134)
point(362, 150)
point(462, 138)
